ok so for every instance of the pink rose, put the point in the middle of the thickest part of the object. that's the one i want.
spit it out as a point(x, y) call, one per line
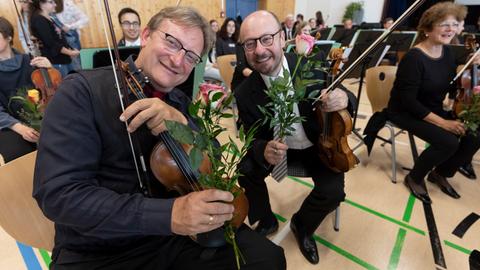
point(207, 91)
point(476, 90)
point(304, 44)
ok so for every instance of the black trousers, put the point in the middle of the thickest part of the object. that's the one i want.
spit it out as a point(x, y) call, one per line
point(446, 152)
point(12, 145)
point(178, 252)
point(325, 197)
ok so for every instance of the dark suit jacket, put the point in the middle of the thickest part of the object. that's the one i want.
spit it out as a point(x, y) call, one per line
point(251, 94)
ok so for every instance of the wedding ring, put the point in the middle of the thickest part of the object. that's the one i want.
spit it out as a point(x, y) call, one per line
point(210, 220)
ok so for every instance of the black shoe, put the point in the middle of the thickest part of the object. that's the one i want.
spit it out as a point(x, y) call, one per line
point(305, 242)
point(467, 171)
point(418, 190)
point(442, 182)
point(266, 228)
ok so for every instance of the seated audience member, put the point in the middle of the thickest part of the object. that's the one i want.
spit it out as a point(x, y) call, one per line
point(288, 27)
point(211, 67)
point(130, 22)
point(54, 45)
point(416, 102)
point(16, 138)
point(227, 38)
point(320, 22)
point(313, 24)
point(263, 41)
point(297, 21)
point(85, 176)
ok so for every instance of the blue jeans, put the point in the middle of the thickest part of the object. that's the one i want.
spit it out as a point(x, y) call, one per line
point(64, 68)
point(73, 39)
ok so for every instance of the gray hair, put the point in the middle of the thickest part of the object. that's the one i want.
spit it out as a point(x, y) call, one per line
point(184, 16)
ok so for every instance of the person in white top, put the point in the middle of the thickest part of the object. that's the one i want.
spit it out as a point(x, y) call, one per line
point(131, 23)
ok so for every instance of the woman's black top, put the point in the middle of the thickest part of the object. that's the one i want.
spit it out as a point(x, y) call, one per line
point(52, 40)
point(422, 82)
point(224, 46)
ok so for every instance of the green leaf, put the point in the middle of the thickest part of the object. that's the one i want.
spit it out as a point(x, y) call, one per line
point(195, 158)
point(180, 132)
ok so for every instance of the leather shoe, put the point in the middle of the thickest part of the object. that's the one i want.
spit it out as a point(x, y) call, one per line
point(266, 228)
point(442, 182)
point(467, 171)
point(418, 190)
point(305, 242)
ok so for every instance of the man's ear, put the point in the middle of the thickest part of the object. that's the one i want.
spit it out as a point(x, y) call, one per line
point(282, 39)
point(145, 36)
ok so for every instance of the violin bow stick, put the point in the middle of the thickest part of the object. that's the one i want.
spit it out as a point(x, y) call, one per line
point(469, 62)
point(28, 41)
point(138, 157)
point(372, 47)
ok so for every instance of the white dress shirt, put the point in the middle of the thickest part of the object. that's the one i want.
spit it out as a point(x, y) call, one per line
point(298, 139)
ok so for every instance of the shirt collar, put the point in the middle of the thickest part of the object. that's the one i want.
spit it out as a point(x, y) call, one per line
point(266, 78)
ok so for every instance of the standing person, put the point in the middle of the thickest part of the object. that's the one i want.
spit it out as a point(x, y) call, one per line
point(25, 17)
point(54, 46)
point(85, 178)
point(416, 102)
point(227, 38)
point(131, 23)
point(319, 20)
point(288, 29)
point(16, 138)
point(263, 40)
point(73, 19)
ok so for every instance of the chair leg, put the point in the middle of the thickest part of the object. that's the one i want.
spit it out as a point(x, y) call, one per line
point(394, 154)
point(281, 234)
point(336, 223)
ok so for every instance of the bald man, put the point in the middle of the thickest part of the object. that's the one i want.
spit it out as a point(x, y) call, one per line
point(263, 39)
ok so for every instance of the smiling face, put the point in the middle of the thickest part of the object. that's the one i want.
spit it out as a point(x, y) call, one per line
point(48, 6)
point(165, 68)
point(265, 59)
point(443, 31)
point(130, 26)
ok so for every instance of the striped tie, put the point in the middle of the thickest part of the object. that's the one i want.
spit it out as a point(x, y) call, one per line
point(280, 170)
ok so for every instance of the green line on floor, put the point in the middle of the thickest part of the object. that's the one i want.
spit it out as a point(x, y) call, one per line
point(371, 211)
point(457, 247)
point(331, 246)
point(46, 257)
point(344, 253)
point(397, 249)
point(402, 233)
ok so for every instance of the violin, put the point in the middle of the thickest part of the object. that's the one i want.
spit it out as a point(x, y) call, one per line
point(332, 144)
point(468, 80)
point(46, 80)
point(169, 163)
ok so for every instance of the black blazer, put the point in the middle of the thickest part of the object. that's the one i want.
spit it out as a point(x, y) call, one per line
point(250, 94)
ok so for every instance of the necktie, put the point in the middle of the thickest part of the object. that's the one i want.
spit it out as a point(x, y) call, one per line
point(280, 170)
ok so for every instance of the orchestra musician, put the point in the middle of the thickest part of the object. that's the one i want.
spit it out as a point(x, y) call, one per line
point(421, 84)
point(263, 40)
point(16, 138)
point(86, 182)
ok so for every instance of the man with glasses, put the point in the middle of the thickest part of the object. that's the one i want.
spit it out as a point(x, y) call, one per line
point(130, 23)
point(86, 180)
point(263, 41)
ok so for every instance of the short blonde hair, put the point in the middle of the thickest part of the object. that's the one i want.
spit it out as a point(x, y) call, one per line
point(437, 13)
point(185, 16)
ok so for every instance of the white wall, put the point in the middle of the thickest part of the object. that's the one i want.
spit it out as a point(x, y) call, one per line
point(333, 10)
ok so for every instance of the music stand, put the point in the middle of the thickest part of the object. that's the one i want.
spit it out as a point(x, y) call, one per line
point(327, 33)
point(324, 45)
point(360, 42)
point(401, 41)
point(343, 35)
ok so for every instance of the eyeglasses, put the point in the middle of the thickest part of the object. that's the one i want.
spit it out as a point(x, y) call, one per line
point(448, 25)
point(174, 46)
point(51, 2)
point(265, 40)
point(127, 24)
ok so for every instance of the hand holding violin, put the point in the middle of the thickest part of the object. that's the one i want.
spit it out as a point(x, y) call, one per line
point(153, 112)
point(333, 101)
point(201, 211)
point(274, 152)
point(41, 62)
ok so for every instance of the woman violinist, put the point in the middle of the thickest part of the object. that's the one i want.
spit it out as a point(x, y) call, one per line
point(86, 180)
point(421, 84)
point(16, 139)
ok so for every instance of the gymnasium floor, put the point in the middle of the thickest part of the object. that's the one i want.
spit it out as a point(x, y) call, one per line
point(381, 225)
